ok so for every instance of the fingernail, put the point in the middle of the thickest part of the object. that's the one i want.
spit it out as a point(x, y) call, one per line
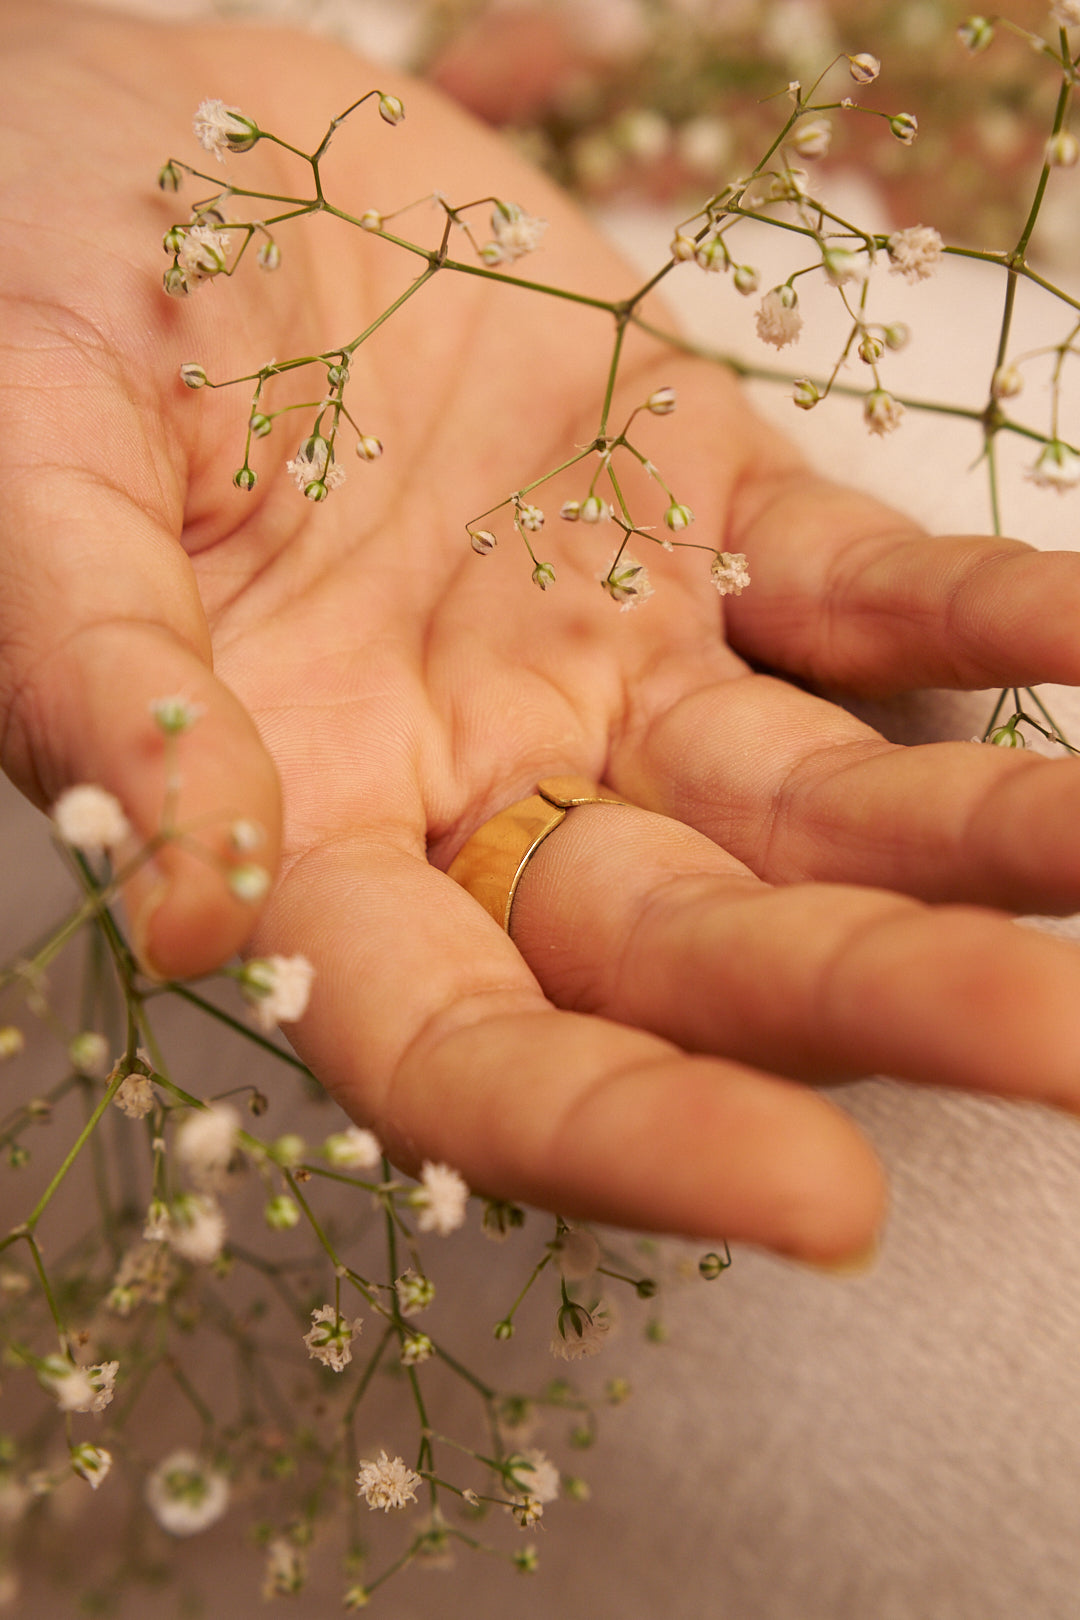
point(145, 892)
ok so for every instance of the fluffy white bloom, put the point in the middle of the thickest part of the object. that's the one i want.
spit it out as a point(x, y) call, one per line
point(278, 988)
point(89, 819)
point(220, 129)
point(185, 1494)
point(535, 1475)
point(577, 1254)
point(353, 1149)
point(628, 583)
point(79, 1389)
point(882, 413)
point(195, 1229)
point(915, 253)
point(329, 1339)
point(441, 1198)
point(1066, 12)
point(583, 1334)
point(203, 252)
point(135, 1096)
point(206, 1143)
point(414, 1293)
point(778, 319)
point(729, 572)
point(91, 1463)
point(313, 464)
point(1057, 467)
point(515, 233)
point(387, 1483)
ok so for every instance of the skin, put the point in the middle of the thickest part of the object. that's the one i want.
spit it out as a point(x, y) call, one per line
point(795, 899)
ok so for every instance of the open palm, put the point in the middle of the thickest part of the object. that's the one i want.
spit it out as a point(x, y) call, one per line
point(763, 914)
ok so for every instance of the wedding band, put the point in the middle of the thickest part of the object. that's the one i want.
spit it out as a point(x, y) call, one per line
point(490, 864)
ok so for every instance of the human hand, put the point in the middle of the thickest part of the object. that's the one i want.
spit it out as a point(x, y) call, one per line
point(763, 915)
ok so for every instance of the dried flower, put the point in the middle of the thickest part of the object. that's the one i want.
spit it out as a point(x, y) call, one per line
point(90, 820)
point(778, 319)
point(1057, 467)
point(881, 412)
point(278, 988)
point(329, 1339)
point(186, 1495)
point(441, 1199)
point(222, 129)
point(915, 253)
point(729, 572)
point(387, 1483)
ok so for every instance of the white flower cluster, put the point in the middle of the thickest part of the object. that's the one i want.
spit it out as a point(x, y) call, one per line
point(278, 988)
point(441, 1199)
point(729, 572)
point(915, 253)
point(90, 820)
point(220, 129)
point(387, 1483)
point(779, 320)
point(79, 1389)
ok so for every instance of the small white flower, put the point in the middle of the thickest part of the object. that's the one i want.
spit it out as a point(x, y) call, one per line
point(203, 253)
point(414, 1293)
point(810, 138)
point(353, 1149)
point(79, 1389)
point(528, 517)
point(313, 465)
point(441, 1198)
point(417, 1349)
point(220, 129)
point(175, 714)
point(842, 266)
point(515, 233)
point(882, 413)
point(196, 1229)
point(91, 1463)
point(89, 1053)
point(915, 253)
point(778, 319)
point(1057, 467)
point(729, 572)
point(577, 1253)
point(387, 1483)
point(535, 1475)
point(89, 819)
point(206, 1143)
point(278, 988)
point(628, 583)
point(329, 1339)
point(286, 1569)
point(186, 1495)
point(135, 1096)
point(580, 1333)
point(745, 279)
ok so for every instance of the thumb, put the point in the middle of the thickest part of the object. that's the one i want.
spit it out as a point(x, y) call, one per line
point(100, 619)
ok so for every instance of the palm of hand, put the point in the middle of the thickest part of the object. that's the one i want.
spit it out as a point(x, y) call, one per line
point(406, 690)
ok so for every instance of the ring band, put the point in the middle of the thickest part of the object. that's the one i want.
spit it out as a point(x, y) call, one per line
point(490, 863)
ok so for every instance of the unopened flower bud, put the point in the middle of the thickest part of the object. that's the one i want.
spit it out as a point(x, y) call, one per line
point(244, 478)
point(712, 254)
point(897, 336)
point(250, 883)
point(12, 1041)
point(871, 349)
point(864, 68)
point(268, 256)
point(712, 1265)
point(504, 1331)
point(905, 126)
point(317, 490)
point(1007, 382)
point(371, 220)
point(337, 375)
point(192, 375)
point(543, 575)
point(1007, 737)
point(842, 266)
point(745, 279)
point(811, 137)
point(282, 1213)
point(570, 511)
point(390, 109)
point(482, 541)
point(593, 510)
point(175, 282)
point(678, 517)
point(662, 402)
point(169, 176)
point(683, 247)
point(259, 425)
point(805, 393)
point(173, 240)
point(975, 34)
point(368, 448)
point(1062, 150)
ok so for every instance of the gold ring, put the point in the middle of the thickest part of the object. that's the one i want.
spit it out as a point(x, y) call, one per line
point(490, 863)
